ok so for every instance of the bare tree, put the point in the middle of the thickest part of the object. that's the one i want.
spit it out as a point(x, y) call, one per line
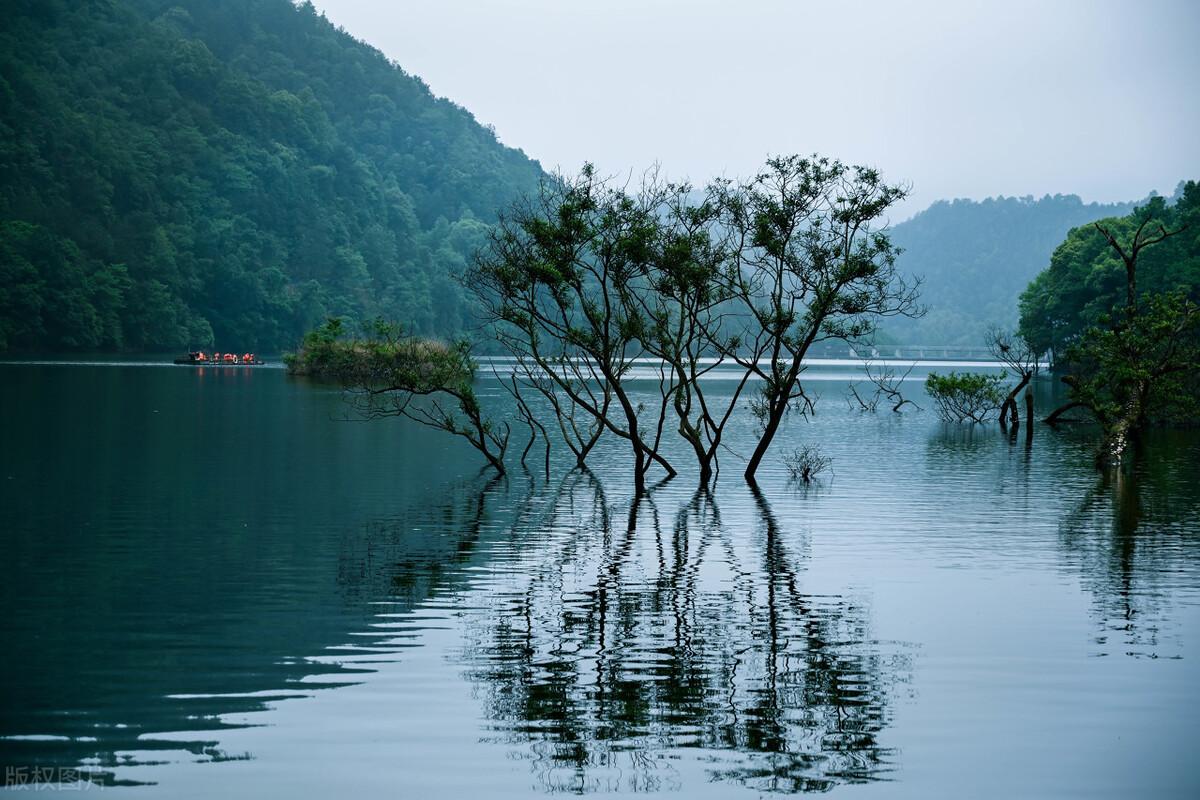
point(886, 382)
point(1017, 355)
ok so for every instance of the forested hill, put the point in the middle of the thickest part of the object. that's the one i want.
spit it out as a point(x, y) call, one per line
point(977, 257)
point(178, 172)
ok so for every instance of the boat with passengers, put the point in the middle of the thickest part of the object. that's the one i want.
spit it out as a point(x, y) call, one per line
point(199, 358)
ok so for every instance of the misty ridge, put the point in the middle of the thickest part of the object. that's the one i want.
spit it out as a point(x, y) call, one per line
point(181, 174)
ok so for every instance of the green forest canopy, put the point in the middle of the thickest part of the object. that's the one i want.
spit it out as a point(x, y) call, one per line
point(1086, 278)
point(232, 172)
point(229, 172)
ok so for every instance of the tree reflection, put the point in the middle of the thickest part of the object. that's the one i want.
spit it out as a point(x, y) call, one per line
point(626, 643)
point(1129, 537)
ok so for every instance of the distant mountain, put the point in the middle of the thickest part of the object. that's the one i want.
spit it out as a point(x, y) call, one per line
point(178, 172)
point(977, 257)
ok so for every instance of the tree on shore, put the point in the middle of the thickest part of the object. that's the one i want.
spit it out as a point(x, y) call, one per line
point(1117, 308)
point(1086, 279)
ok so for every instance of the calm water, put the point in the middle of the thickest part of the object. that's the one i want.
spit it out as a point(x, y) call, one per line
point(215, 586)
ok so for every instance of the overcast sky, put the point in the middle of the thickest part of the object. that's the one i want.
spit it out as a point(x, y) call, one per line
point(956, 98)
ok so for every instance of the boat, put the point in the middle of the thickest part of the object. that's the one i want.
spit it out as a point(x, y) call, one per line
point(199, 358)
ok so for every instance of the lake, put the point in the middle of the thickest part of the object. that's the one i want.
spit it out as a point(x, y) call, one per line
point(216, 585)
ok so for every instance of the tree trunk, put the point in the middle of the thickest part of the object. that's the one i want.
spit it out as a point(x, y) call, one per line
point(1028, 413)
point(639, 470)
point(497, 463)
point(1009, 408)
point(1058, 412)
point(641, 454)
point(764, 441)
point(1120, 433)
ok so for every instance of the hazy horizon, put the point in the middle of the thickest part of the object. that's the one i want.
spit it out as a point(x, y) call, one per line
point(972, 101)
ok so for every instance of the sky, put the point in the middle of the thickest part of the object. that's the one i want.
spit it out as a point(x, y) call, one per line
point(958, 98)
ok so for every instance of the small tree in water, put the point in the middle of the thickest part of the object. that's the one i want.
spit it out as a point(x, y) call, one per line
point(966, 397)
point(806, 463)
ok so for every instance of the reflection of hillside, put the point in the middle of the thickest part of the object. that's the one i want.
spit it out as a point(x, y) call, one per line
point(148, 620)
point(620, 642)
point(1128, 536)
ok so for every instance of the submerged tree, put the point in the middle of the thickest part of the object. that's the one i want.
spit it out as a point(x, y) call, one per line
point(1141, 361)
point(805, 463)
point(683, 314)
point(387, 372)
point(812, 264)
point(591, 285)
point(887, 383)
point(1017, 355)
point(553, 282)
point(1142, 368)
point(587, 278)
point(967, 396)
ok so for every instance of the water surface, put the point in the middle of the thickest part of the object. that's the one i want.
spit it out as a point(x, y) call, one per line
point(215, 585)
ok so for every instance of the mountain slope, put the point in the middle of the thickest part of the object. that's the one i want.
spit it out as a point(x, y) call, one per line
point(178, 172)
point(975, 258)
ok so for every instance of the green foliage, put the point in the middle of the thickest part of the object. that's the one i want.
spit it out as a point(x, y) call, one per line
point(323, 351)
point(1151, 358)
point(1086, 277)
point(974, 258)
point(176, 172)
point(384, 357)
point(388, 372)
point(966, 396)
point(587, 277)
